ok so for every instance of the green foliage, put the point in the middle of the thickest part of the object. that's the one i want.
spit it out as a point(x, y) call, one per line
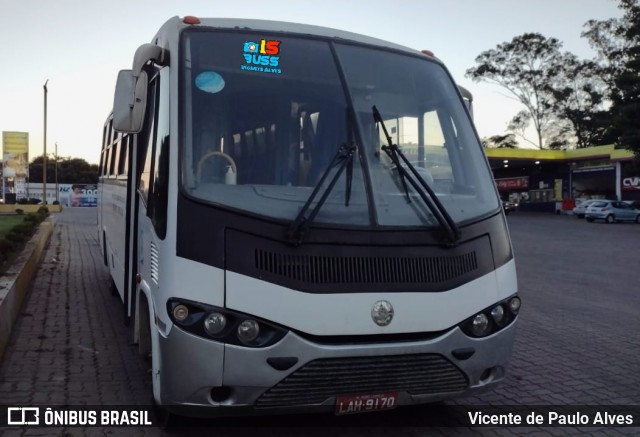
point(70, 171)
point(16, 230)
point(15, 237)
point(626, 99)
point(567, 100)
point(501, 142)
point(25, 229)
point(33, 218)
point(526, 66)
point(6, 246)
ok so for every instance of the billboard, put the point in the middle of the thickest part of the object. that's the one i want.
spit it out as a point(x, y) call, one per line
point(15, 162)
point(515, 184)
point(79, 195)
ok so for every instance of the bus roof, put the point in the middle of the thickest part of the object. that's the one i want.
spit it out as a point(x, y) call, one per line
point(174, 25)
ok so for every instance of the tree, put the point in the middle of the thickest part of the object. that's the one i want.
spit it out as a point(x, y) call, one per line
point(607, 38)
point(500, 142)
point(626, 98)
point(617, 43)
point(525, 66)
point(579, 97)
point(70, 171)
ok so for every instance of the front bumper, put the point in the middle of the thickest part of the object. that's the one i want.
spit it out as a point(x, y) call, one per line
point(191, 366)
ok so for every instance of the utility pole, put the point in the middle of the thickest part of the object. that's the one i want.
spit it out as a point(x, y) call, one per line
point(44, 154)
point(57, 189)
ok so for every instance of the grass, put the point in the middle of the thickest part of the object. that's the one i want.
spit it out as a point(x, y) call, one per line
point(7, 222)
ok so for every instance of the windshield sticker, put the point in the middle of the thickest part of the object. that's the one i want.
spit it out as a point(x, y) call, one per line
point(262, 56)
point(209, 82)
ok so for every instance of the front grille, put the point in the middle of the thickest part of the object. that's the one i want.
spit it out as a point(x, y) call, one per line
point(365, 269)
point(321, 379)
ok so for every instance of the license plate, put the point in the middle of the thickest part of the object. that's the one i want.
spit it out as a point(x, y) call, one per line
point(353, 404)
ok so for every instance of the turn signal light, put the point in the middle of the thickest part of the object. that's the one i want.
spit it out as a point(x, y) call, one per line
point(190, 19)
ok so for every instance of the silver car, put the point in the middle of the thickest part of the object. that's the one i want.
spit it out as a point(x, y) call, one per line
point(581, 209)
point(612, 211)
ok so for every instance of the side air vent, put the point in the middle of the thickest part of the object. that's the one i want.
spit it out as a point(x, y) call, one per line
point(365, 270)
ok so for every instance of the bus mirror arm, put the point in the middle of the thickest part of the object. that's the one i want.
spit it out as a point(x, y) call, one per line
point(144, 54)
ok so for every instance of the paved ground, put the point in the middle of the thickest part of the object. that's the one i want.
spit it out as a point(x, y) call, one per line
point(578, 341)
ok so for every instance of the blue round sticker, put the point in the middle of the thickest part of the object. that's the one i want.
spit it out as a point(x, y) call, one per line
point(210, 82)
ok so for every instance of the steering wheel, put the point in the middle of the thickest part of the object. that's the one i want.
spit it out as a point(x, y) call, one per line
point(229, 159)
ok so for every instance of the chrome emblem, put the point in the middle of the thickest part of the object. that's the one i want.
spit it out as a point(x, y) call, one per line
point(382, 313)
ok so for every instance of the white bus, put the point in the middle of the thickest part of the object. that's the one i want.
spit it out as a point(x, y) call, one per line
point(298, 218)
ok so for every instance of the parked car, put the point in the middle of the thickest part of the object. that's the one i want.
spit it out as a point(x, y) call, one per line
point(508, 206)
point(612, 211)
point(581, 208)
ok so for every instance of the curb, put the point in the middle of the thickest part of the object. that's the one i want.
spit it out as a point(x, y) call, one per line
point(15, 283)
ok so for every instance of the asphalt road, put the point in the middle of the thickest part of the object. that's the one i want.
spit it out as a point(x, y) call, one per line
point(578, 339)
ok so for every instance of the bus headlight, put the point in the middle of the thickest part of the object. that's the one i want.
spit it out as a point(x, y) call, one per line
point(480, 325)
point(514, 305)
point(492, 319)
point(180, 313)
point(497, 314)
point(248, 331)
point(215, 323)
point(223, 325)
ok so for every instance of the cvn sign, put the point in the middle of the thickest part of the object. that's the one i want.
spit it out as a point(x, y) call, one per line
point(631, 184)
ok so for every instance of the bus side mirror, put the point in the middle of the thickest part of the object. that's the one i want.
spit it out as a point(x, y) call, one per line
point(129, 102)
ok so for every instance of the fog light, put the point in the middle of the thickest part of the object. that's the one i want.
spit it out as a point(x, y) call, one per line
point(180, 313)
point(514, 305)
point(497, 313)
point(480, 325)
point(248, 330)
point(215, 323)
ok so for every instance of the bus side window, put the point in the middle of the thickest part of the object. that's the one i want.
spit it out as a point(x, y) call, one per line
point(153, 184)
point(145, 142)
point(160, 188)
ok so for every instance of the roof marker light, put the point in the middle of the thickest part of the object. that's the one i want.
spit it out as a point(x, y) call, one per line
point(190, 19)
point(428, 53)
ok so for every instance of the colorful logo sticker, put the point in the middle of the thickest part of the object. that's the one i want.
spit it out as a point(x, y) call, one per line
point(262, 56)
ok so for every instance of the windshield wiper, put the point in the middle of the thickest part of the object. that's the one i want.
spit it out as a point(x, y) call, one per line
point(418, 183)
point(343, 159)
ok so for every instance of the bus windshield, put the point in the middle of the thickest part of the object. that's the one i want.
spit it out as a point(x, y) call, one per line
point(263, 115)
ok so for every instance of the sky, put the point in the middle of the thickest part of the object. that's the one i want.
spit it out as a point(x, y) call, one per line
point(78, 46)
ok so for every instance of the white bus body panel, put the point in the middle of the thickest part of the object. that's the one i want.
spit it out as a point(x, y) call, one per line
point(350, 314)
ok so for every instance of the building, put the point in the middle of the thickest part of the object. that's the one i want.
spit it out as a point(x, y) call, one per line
point(538, 179)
